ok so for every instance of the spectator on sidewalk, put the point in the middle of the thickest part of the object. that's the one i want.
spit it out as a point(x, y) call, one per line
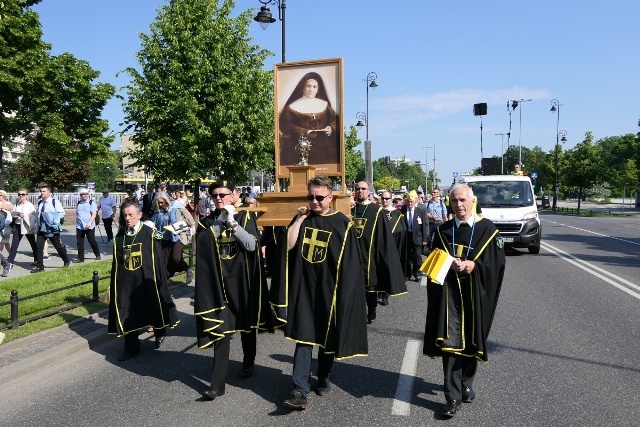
point(50, 215)
point(6, 207)
point(24, 221)
point(108, 209)
point(86, 212)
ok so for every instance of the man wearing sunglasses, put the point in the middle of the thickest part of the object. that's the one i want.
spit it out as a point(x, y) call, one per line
point(318, 291)
point(231, 292)
point(382, 268)
point(399, 230)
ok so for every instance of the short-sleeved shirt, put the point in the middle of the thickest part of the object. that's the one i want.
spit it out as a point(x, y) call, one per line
point(438, 209)
point(83, 214)
point(106, 206)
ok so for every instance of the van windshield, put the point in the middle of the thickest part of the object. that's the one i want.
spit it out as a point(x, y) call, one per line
point(495, 194)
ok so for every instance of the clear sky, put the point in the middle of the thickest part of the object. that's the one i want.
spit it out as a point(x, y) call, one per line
point(434, 60)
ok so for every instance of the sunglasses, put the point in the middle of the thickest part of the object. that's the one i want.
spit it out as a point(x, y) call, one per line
point(361, 188)
point(386, 198)
point(311, 197)
point(220, 195)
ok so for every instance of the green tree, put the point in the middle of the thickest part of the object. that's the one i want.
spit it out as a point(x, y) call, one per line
point(201, 103)
point(98, 170)
point(584, 166)
point(616, 151)
point(21, 52)
point(66, 104)
point(387, 183)
point(354, 162)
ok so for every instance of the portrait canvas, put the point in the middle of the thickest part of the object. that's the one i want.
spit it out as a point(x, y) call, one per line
point(308, 103)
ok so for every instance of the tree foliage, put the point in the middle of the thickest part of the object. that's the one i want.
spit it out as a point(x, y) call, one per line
point(201, 103)
point(409, 174)
point(354, 161)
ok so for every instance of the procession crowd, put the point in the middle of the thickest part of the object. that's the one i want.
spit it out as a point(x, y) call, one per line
point(329, 273)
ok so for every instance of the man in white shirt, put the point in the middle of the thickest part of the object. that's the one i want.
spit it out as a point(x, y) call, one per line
point(50, 215)
point(108, 209)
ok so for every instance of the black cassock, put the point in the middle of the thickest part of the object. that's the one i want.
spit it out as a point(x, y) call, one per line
point(460, 312)
point(318, 288)
point(231, 292)
point(399, 231)
point(139, 293)
point(382, 267)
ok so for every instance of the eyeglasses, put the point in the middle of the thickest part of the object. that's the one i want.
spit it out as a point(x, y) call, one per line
point(220, 195)
point(311, 197)
point(361, 188)
point(434, 192)
point(22, 194)
point(386, 198)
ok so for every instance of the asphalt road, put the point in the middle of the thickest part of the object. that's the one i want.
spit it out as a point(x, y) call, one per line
point(563, 351)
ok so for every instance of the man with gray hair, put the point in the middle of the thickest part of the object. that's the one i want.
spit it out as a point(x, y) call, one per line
point(461, 309)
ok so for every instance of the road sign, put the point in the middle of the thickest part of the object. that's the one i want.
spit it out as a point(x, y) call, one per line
point(534, 175)
point(455, 174)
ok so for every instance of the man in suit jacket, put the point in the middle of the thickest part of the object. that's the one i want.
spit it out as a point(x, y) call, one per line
point(418, 233)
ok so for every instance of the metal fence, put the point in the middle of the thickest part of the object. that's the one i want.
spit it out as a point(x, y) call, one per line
point(68, 200)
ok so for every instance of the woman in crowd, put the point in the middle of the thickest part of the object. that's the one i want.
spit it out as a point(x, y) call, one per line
point(24, 221)
point(173, 243)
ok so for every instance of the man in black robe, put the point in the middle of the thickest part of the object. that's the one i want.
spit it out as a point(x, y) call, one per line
point(139, 293)
point(382, 269)
point(461, 310)
point(318, 291)
point(399, 231)
point(231, 292)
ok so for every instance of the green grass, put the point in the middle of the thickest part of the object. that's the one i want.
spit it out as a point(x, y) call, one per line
point(41, 282)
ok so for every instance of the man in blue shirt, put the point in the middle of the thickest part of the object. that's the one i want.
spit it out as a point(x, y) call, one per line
point(86, 212)
point(436, 211)
point(50, 214)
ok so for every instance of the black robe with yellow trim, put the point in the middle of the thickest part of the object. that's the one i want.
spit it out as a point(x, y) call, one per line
point(317, 289)
point(460, 312)
point(231, 291)
point(139, 292)
point(382, 267)
point(399, 231)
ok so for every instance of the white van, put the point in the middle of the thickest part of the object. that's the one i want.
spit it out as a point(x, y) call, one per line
point(510, 203)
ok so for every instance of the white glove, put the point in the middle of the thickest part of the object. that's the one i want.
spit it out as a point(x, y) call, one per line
point(227, 216)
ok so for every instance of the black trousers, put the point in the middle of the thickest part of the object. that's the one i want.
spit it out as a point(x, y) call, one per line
point(302, 367)
point(108, 223)
point(221, 350)
point(459, 372)
point(172, 256)
point(91, 237)
point(414, 258)
point(132, 342)
point(56, 242)
point(15, 242)
point(372, 302)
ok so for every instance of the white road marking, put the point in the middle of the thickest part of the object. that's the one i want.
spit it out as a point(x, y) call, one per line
point(404, 391)
point(596, 271)
point(597, 234)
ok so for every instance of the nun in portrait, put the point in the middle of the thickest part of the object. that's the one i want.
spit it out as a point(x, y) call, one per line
point(308, 112)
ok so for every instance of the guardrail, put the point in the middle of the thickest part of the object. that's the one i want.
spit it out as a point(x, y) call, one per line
point(589, 212)
point(15, 299)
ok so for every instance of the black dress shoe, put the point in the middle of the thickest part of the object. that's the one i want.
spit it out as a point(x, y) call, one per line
point(128, 354)
point(468, 395)
point(246, 371)
point(78, 260)
point(98, 257)
point(67, 264)
point(37, 270)
point(385, 299)
point(159, 341)
point(371, 317)
point(451, 408)
point(296, 401)
point(323, 388)
point(211, 394)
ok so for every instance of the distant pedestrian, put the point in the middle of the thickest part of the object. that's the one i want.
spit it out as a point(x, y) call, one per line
point(50, 215)
point(139, 293)
point(86, 212)
point(107, 206)
point(24, 222)
point(6, 207)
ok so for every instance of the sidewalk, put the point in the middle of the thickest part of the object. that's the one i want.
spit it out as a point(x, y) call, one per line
point(616, 208)
point(46, 347)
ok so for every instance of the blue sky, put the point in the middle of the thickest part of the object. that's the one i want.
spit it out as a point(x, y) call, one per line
point(434, 60)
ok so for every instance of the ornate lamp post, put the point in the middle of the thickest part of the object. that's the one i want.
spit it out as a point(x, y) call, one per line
point(561, 136)
point(264, 18)
point(368, 163)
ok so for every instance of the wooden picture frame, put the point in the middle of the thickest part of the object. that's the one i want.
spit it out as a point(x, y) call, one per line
point(309, 101)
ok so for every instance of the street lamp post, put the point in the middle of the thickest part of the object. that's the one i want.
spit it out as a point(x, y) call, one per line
point(514, 105)
point(264, 18)
point(426, 168)
point(370, 82)
point(502, 147)
point(561, 135)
